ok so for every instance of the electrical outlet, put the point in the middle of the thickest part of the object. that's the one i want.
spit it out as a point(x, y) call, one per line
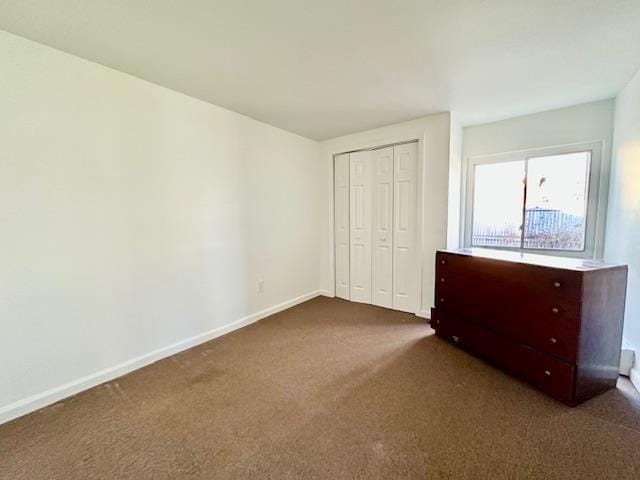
point(260, 286)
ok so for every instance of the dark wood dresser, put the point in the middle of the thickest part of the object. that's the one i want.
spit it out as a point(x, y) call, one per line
point(554, 322)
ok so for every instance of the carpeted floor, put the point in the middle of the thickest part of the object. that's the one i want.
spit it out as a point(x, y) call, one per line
point(328, 389)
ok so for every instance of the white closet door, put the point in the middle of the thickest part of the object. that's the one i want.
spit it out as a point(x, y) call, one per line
point(382, 261)
point(341, 214)
point(360, 219)
point(405, 258)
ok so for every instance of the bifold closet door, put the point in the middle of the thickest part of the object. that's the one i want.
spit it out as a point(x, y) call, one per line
point(382, 224)
point(360, 220)
point(341, 233)
point(405, 234)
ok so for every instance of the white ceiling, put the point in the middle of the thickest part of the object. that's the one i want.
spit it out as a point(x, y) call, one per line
point(330, 67)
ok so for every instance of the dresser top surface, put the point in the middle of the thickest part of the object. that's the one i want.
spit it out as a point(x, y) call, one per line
point(566, 263)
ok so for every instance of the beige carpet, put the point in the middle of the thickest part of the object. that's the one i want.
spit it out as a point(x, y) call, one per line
point(328, 389)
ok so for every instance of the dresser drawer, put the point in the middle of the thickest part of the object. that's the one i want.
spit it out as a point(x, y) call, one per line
point(489, 295)
point(549, 374)
point(554, 283)
point(549, 333)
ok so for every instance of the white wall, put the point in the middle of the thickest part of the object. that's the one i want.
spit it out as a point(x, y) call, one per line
point(455, 184)
point(589, 122)
point(623, 219)
point(433, 132)
point(577, 124)
point(133, 219)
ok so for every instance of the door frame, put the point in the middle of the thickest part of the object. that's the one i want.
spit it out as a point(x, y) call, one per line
point(420, 309)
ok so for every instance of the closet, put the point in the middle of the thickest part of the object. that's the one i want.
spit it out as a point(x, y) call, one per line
point(376, 199)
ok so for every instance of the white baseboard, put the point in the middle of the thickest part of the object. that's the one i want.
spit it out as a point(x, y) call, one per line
point(326, 293)
point(424, 314)
point(627, 359)
point(634, 376)
point(53, 395)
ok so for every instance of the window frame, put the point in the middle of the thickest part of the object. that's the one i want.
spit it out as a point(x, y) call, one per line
point(596, 196)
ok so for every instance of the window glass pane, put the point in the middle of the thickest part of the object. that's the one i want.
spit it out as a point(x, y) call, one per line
point(555, 216)
point(498, 197)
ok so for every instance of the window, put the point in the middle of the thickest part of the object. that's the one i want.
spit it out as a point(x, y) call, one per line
point(555, 213)
point(497, 206)
point(543, 201)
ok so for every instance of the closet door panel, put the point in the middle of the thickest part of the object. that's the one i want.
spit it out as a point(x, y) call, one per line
point(405, 258)
point(341, 229)
point(360, 220)
point(382, 261)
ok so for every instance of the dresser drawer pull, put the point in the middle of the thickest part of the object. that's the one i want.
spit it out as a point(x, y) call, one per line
point(553, 340)
point(443, 262)
point(555, 310)
point(442, 280)
point(556, 284)
point(442, 300)
point(547, 373)
point(455, 339)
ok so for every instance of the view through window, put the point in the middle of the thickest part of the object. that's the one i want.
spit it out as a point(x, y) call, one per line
point(537, 203)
